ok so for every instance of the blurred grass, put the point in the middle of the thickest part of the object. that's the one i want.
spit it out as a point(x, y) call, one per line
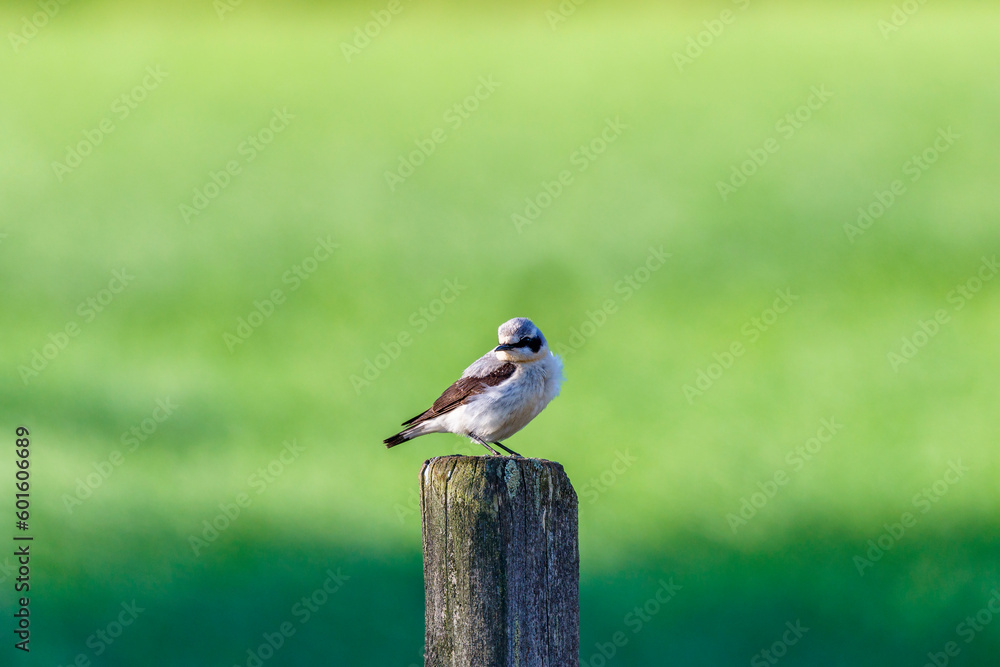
point(343, 501)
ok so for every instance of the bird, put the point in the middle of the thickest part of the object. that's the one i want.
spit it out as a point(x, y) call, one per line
point(497, 395)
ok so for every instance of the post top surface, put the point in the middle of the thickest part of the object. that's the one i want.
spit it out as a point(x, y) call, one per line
point(481, 476)
point(489, 457)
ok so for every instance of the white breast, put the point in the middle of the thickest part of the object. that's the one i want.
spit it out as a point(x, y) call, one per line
point(502, 411)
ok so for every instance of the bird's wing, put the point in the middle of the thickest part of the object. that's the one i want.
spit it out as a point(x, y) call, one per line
point(487, 372)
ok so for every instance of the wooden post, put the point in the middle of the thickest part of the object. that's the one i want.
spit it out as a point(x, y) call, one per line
point(501, 563)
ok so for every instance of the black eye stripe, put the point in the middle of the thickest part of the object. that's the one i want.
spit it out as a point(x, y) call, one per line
point(534, 343)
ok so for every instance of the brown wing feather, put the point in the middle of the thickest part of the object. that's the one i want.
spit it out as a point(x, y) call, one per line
point(461, 391)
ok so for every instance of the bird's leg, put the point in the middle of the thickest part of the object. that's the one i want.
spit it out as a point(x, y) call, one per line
point(509, 451)
point(483, 443)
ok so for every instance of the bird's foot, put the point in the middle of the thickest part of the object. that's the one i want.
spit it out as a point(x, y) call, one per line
point(509, 451)
point(483, 443)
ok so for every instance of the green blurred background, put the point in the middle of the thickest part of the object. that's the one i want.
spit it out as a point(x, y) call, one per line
point(659, 469)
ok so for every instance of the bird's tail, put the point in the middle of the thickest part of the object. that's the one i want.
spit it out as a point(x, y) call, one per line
point(397, 439)
point(410, 433)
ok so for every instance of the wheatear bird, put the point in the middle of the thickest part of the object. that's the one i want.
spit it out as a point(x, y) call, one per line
point(496, 396)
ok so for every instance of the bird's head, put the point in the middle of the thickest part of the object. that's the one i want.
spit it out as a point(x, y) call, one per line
point(520, 341)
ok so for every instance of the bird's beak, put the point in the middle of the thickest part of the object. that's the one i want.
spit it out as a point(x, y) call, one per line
point(501, 348)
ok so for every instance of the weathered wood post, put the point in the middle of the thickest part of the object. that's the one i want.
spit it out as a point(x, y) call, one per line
point(501, 563)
